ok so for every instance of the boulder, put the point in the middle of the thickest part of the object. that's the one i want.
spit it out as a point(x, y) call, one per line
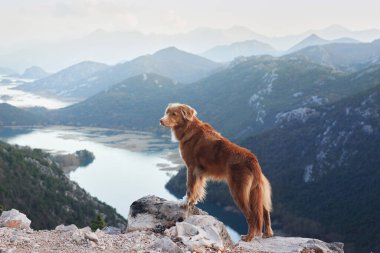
point(14, 219)
point(288, 245)
point(202, 231)
point(150, 212)
point(64, 228)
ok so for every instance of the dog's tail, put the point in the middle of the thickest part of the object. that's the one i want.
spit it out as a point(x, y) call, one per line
point(266, 193)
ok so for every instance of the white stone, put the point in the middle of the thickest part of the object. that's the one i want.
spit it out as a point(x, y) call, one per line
point(64, 228)
point(14, 219)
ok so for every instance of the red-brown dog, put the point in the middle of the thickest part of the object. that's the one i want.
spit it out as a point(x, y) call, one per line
point(207, 154)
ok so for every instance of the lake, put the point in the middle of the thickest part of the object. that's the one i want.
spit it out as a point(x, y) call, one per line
point(24, 99)
point(128, 165)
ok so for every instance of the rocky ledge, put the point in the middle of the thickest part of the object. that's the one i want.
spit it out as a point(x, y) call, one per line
point(154, 225)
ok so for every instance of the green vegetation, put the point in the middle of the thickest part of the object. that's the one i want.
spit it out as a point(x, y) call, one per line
point(33, 184)
point(98, 223)
point(13, 116)
point(1, 209)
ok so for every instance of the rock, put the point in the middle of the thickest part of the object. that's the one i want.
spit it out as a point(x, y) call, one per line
point(150, 211)
point(112, 230)
point(203, 231)
point(91, 236)
point(14, 219)
point(167, 245)
point(64, 228)
point(288, 245)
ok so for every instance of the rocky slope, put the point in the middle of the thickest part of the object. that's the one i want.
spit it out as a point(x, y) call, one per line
point(155, 225)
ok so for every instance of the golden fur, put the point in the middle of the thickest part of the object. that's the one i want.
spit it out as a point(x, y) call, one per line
point(208, 155)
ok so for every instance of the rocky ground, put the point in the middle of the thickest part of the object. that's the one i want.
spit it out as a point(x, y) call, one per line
point(155, 225)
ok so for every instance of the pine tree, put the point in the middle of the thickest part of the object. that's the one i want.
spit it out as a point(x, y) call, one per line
point(98, 222)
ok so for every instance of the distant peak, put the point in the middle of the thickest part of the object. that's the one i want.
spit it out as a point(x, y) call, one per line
point(169, 50)
point(313, 36)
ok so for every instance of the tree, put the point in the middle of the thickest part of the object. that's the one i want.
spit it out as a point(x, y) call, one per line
point(1, 209)
point(98, 222)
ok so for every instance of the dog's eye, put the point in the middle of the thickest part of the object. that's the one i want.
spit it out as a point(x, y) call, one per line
point(174, 114)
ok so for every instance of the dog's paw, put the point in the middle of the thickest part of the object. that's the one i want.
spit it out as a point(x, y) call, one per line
point(184, 203)
point(246, 238)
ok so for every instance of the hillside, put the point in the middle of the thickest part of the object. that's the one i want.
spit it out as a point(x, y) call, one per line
point(136, 103)
point(33, 184)
point(344, 57)
point(63, 82)
point(246, 48)
point(323, 167)
point(13, 116)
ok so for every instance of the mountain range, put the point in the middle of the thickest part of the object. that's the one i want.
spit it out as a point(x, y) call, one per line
point(88, 78)
point(243, 99)
point(114, 47)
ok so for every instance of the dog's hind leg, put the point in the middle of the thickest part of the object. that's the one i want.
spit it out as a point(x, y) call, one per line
point(240, 183)
point(268, 228)
point(257, 208)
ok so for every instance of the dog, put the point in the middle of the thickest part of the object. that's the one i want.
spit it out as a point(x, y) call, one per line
point(208, 155)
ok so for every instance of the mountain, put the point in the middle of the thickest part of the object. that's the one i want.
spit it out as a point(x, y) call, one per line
point(245, 48)
point(34, 72)
point(333, 157)
point(171, 62)
point(322, 162)
point(245, 98)
point(314, 40)
point(136, 103)
point(33, 184)
point(115, 47)
point(344, 57)
point(64, 81)
point(334, 32)
point(13, 116)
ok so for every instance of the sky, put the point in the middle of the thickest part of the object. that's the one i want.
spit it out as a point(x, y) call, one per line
point(25, 21)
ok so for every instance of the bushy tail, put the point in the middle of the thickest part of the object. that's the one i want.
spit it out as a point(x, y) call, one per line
point(267, 194)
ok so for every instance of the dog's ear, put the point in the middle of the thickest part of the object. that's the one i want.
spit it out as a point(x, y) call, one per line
point(188, 112)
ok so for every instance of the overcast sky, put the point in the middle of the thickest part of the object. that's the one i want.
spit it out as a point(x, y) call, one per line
point(25, 20)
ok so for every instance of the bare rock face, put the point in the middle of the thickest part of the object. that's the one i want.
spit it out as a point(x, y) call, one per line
point(195, 229)
point(14, 219)
point(152, 212)
point(289, 245)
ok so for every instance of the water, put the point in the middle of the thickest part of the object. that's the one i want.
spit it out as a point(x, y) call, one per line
point(24, 99)
point(117, 176)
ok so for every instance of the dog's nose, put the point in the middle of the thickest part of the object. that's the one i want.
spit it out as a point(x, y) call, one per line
point(161, 122)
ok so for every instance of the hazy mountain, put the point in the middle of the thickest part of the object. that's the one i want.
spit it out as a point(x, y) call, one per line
point(114, 47)
point(346, 57)
point(171, 62)
point(32, 183)
point(136, 103)
point(314, 40)
point(336, 31)
point(33, 72)
point(64, 81)
point(245, 48)
point(323, 167)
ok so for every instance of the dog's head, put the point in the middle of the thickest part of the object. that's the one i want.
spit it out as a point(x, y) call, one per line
point(177, 115)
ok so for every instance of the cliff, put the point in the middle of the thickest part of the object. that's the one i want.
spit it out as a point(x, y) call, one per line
point(155, 225)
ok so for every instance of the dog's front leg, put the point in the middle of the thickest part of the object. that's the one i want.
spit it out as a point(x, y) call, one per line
point(190, 191)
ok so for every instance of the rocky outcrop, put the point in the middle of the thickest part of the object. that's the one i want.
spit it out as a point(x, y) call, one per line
point(155, 225)
point(14, 219)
